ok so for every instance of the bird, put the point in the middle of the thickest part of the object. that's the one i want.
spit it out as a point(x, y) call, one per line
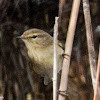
point(40, 51)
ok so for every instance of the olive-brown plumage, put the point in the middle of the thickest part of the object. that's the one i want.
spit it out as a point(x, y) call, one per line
point(40, 51)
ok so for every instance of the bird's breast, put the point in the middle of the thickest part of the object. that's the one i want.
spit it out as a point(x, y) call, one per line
point(42, 60)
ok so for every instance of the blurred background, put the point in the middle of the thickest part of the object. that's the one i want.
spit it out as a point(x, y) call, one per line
point(17, 80)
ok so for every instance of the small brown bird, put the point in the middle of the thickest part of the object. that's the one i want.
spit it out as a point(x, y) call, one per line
point(40, 51)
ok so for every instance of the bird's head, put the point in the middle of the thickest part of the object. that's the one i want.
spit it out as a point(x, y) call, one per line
point(36, 38)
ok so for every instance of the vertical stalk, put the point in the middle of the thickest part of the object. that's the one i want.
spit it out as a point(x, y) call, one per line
point(68, 50)
point(55, 60)
point(97, 77)
point(61, 5)
point(90, 41)
point(91, 50)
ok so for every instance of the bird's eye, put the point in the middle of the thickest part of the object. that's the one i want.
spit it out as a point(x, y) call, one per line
point(34, 36)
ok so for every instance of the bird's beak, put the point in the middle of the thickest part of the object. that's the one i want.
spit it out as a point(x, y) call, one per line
point(19, 37)
point(22, 37)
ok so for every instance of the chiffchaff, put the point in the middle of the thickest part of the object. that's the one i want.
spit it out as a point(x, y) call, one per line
point(40, 51)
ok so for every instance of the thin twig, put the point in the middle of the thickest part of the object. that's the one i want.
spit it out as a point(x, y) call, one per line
point(68, 50)
point(61, 5)
point(97, 77)
point(91, 50)
point(55, 60)
point(90, 40)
